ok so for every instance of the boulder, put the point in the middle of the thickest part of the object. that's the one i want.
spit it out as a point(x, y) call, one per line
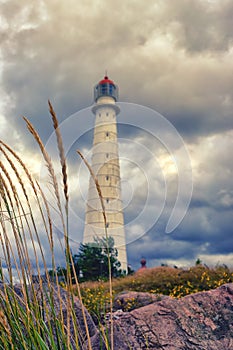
point(201, 321)
point(127, 301)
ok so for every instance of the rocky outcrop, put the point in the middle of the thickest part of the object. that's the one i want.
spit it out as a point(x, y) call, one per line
point(201, 321)
point(128, 301)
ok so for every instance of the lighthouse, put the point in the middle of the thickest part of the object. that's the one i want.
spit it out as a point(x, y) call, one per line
point(105, 165)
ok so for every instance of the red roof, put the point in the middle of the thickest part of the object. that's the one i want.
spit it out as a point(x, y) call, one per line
point(106, 80)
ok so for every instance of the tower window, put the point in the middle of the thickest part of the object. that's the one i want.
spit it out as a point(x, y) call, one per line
point(107, 133)
point(107, 177)
point(107, 224)
point(107, 114)
point(107, 155)
point(107, 200)
point(99, 114)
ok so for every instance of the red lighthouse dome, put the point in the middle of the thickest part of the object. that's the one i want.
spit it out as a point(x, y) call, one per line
point(106, 80)
point(106, 87)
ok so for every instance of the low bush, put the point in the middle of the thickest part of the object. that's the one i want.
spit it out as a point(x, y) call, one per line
point(159, 280)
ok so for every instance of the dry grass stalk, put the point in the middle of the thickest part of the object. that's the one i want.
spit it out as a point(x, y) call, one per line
point(5, 241)
point(16, 173)
point(50, 168)
point(65, 227)
point(4, 324)
point(50, 235)
point(17, 234)
point(21, 247)
point(48, 163)
point(97, 185)
point(20, 162)
point(56, 190)
point(20, 239)
point(31, 181)
point(50, 230)
point(81, 302)
point(61, 150)
point(65, 189)
point(106, 235)
point(20, 259)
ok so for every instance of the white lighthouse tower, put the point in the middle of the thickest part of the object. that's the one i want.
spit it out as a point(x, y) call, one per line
point(105, 165)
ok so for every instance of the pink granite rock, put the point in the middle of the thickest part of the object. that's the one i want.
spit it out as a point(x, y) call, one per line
point(201, 321)
point(128, 301)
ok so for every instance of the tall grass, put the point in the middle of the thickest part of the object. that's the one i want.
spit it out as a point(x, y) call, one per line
point(108, 252)
point(32, 314)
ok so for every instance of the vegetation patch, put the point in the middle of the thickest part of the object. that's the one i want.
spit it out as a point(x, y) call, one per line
point(168, 281)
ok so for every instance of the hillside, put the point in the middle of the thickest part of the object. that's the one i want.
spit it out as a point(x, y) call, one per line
point(169, 281)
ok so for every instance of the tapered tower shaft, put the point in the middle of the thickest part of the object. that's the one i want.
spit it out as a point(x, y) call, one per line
point(105, 165)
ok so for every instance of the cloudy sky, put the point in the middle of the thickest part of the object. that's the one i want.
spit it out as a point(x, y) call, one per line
point(174, 57)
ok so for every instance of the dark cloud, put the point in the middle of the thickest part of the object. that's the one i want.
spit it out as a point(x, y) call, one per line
point(200, 26)
point(59, 51)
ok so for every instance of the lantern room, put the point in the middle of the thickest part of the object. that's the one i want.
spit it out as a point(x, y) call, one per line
point(106, 87)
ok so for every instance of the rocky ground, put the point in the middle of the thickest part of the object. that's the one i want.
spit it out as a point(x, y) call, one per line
point(201, 321)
